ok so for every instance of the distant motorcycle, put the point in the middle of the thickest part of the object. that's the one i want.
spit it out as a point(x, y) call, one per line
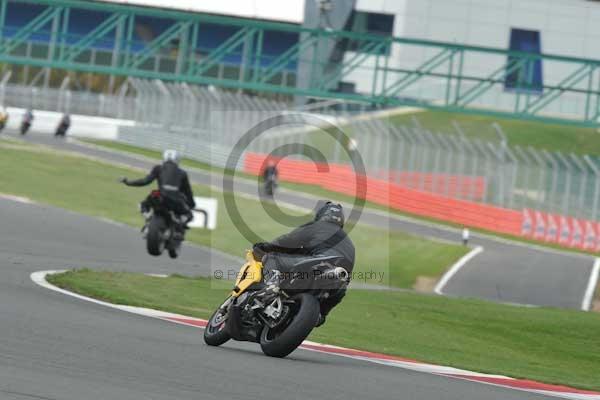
point(25, 125)
point(3, 120)
point(270, 185)
point(63, 126)
point(160, 230)
point(26, 122)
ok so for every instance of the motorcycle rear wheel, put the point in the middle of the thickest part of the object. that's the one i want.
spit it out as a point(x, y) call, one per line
point(280, 344)
point(155, 243)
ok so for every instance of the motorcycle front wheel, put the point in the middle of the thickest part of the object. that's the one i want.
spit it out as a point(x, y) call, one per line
point(281, 341)
point(215, 332)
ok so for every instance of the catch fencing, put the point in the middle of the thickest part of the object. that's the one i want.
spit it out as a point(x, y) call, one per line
point(206, 124)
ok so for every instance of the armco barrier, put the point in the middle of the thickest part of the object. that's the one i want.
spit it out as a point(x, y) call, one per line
point(342, 179)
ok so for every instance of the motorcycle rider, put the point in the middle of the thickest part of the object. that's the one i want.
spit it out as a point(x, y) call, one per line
point(3, 118)
point(174, 186)
point(270, 174)
point(270, 171)
point(322, 237)
point(27, 121)
point(63, 125)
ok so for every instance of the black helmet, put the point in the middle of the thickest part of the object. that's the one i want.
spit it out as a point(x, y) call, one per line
point(331, 212)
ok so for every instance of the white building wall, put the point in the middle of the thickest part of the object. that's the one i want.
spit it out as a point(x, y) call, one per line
point(567, 27)
point(274, 10)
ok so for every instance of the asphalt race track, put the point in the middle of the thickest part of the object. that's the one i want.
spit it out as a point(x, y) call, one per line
point(504, 271)
point(56, 347)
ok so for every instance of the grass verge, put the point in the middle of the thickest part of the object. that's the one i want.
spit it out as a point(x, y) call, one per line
point(90, 187)
point(327, 194)
point(549, 345)
point(539, 135)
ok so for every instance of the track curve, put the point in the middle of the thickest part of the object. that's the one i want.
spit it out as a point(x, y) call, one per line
point(56, 347)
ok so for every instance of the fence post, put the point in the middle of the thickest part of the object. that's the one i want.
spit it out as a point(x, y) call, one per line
point(482, 150)
point(582, 183)
point(555, 169)
point(542, 177)
point(513, 177)
point(567, 192)
point(499, 171)
point(594, 168)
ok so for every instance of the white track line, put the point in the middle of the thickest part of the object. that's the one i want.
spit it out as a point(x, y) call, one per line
point(18, 199)
point(40, 279)
point(455, 268)
point(588, 297)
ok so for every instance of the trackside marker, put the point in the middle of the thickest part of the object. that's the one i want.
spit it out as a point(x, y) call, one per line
point(367, 356)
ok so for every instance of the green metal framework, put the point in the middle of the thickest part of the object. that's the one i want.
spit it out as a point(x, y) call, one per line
point(452, 67)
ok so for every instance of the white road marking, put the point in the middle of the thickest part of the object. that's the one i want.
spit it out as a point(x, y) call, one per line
point(455, 268)
point(40, 279)
point(18, 199)
point(588, 297)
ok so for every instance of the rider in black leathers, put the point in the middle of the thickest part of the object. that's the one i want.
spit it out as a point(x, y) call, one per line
point(324, 236)
point(270, 172)
point(173, 184)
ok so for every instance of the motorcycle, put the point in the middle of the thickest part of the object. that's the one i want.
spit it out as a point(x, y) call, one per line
point(61, 130)
point(279, 313)
point(3, 121)
point(160, 230)
point(270, 185)
point(25, 125)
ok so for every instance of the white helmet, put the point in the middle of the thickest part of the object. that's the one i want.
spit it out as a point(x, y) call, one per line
point(171, 155)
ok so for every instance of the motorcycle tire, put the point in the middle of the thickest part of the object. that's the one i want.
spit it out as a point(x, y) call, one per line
point(215, 332)
point(281, 344)
point(155, 242)
point(269, 189)
point(174, 252)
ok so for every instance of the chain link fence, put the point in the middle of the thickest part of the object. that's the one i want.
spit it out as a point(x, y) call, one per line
point(205, 124)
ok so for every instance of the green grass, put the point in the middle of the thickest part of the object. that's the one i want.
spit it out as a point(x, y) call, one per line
point(327, 194)
point(539, 135)
point(89, 187)
point(549, 345)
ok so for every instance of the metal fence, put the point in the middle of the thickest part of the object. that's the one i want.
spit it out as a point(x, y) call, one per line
point(205, 123)
point(512, 176)
point(64, 100)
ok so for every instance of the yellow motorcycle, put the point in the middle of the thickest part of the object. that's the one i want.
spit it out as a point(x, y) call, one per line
point(278, 313)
